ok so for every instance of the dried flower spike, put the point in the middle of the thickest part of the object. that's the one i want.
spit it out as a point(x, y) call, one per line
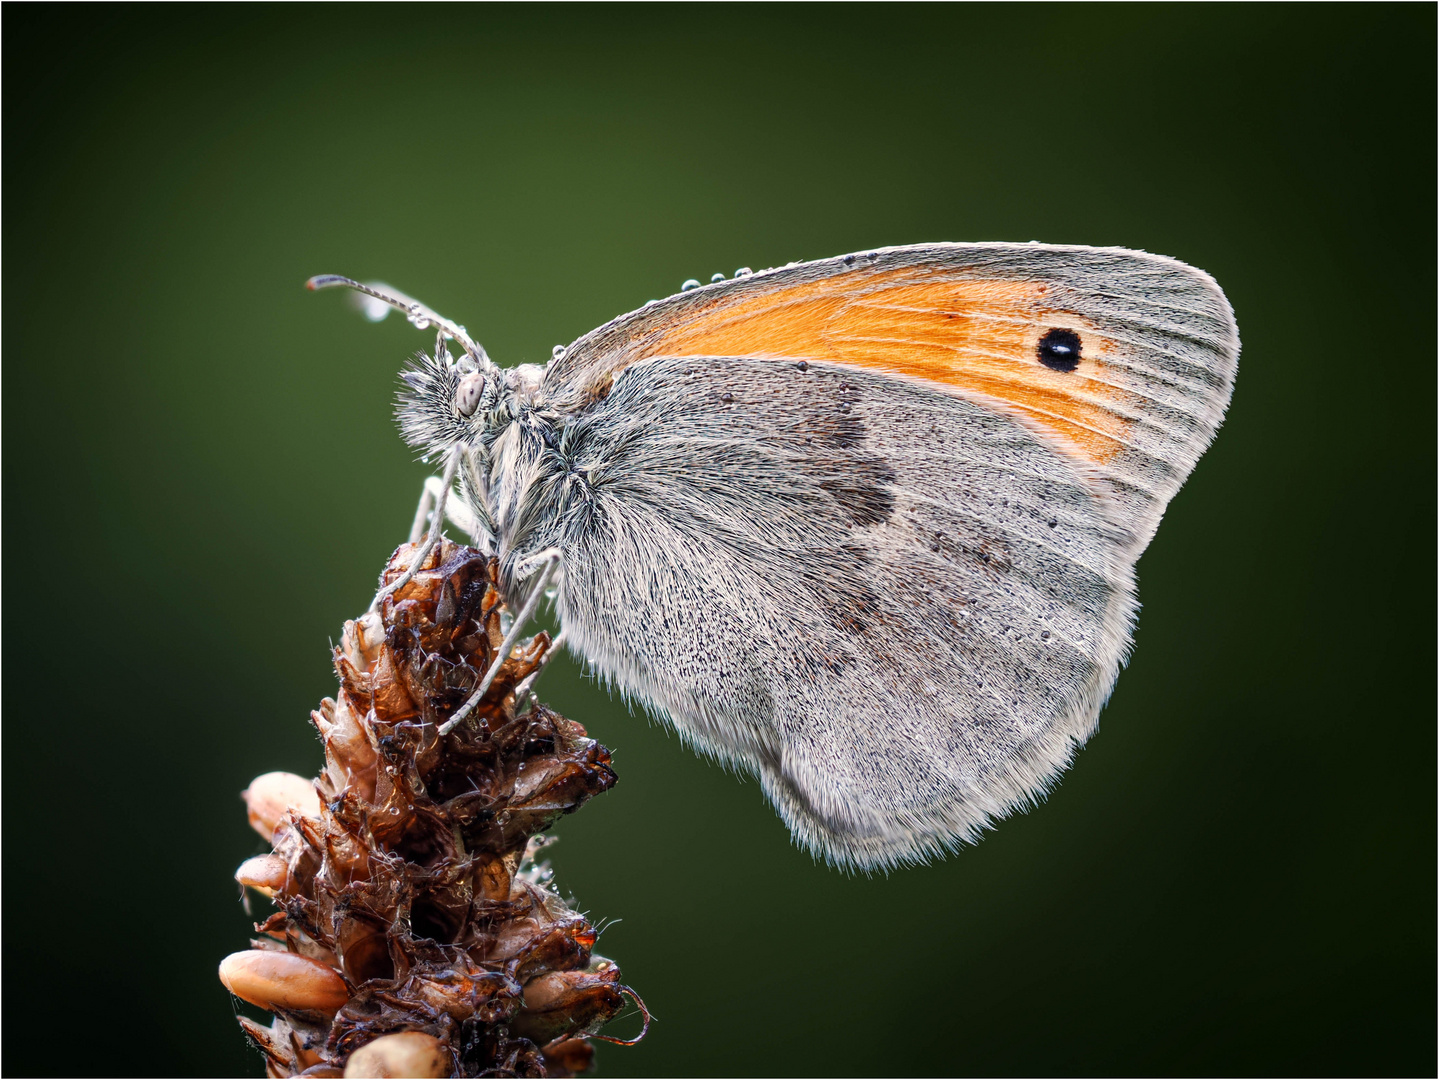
point(416, 934)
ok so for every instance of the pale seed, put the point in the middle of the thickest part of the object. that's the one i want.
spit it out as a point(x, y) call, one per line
point(264, 872)
point(406, 1053)
point(269, 796)
point(283, 980)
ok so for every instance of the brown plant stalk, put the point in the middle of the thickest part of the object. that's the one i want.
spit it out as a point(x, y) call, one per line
point(416, 932)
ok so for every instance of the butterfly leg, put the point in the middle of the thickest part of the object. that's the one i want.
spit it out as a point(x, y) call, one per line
point(550, 559)
point(459, 515)
point(429, 496)
point(437, 522)
point(527, 684)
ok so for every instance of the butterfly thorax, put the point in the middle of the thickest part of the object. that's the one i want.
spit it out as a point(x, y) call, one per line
point(512, 486)
point(516, 475)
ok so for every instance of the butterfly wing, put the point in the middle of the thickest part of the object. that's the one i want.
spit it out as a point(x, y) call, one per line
point(868, 527)
point(1137, 395)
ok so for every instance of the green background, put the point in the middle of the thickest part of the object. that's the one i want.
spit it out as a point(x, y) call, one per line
point(202, 480)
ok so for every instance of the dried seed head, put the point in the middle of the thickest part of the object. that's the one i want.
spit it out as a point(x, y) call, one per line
point(408, 870)
point(407, 1053)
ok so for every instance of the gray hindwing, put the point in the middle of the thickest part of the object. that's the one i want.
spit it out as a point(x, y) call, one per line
point(900, 608)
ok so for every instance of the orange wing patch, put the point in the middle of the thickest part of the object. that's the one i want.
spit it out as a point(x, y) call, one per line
point(977, 335)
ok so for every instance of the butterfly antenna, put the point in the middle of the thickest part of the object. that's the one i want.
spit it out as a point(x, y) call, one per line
point(417, 313)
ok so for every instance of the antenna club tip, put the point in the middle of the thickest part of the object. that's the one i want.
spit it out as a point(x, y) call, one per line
point(324, 281)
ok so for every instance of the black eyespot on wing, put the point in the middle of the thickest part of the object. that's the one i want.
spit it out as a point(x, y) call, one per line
point(1059, 349)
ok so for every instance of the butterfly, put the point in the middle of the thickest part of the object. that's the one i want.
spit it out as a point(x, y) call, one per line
point(864, 527)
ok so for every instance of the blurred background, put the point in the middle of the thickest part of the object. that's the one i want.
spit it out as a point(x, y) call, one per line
point(202, 480)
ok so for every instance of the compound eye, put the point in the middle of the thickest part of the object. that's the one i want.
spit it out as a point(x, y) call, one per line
point(467, 396)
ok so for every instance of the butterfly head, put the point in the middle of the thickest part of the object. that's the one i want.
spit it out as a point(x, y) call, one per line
point(444, 401)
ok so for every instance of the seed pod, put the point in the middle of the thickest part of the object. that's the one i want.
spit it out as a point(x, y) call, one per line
point(406, 1053)
point(283, 980)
